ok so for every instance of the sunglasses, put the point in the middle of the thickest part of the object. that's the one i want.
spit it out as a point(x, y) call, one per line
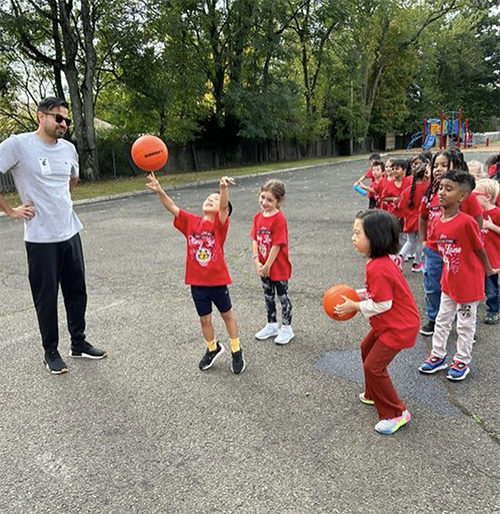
point(59, 118)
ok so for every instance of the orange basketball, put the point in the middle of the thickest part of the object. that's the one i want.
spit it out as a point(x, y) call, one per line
point(332, 298)
point(149, 153)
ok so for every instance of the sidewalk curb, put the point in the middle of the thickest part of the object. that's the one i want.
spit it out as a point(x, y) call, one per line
point(119, 196)
point(197, 183)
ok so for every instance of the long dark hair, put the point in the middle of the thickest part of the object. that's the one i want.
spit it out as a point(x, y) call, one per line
point(417, 174)
point(382, 230)
point(455, 160)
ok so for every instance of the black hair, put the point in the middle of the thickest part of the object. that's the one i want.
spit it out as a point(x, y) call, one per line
point(379, 163)
point(458, 158)
point(374, 157)
point(417, 174)
point(462, 177)
point(399, 163)
point(423, 157)
point(50, 102)
point(229, 208)
point(382, 230)
point(454, 161)
point(426, 155)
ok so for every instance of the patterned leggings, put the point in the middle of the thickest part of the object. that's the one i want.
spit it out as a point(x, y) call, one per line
point(270, 289)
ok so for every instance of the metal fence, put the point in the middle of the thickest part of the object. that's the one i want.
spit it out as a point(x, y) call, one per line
point(6, 183)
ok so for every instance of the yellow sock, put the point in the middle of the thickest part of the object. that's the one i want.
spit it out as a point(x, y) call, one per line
point(211, 345)
point(235, 344)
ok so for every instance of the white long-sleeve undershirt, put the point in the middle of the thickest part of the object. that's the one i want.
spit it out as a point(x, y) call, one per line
point(370, 308)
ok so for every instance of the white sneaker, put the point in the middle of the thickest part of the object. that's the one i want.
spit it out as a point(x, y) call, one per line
point(270, 330)
point(285, 335)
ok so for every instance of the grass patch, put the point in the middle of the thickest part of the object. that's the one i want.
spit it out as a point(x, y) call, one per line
point(86, 190)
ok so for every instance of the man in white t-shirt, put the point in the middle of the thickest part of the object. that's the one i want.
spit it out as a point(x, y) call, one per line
point(45, 170)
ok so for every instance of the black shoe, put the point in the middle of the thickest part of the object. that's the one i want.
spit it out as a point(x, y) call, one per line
point(54, 363)
point(238, 364)
point(428, 330)
point(87, 351)
point(210, 357)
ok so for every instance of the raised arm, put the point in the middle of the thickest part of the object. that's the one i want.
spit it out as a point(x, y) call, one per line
point(224, 198)
point(167, 202)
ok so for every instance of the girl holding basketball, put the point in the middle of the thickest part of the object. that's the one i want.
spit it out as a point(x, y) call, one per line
point(389, 305)
point(270, 256)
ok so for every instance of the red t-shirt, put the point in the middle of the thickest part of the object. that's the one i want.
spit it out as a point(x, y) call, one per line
point(491, 240)
point(205, 264)
point(410, 214)
point(379, 188)
point(391, 190)
point(463, 271)
point(432, 212)
point(398, 327)
point(268, 232)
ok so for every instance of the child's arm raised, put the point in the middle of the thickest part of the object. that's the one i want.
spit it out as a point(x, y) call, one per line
point(224, 198)
point(167, 202)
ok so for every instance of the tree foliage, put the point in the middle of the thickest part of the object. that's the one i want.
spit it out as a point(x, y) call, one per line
point(262, 70)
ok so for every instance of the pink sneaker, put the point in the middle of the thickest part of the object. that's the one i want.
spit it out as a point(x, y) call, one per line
point(418, 268)
point(389, 426)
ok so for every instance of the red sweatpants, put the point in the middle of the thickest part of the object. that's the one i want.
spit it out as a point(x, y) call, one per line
point(378, 384)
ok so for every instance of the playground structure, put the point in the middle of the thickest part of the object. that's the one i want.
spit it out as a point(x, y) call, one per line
point(448, 130)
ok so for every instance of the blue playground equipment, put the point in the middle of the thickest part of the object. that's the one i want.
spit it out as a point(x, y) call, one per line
point(429, 142)
point(453, 130)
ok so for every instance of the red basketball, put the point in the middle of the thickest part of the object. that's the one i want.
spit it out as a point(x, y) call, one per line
point(332, 298)
point(149, 153)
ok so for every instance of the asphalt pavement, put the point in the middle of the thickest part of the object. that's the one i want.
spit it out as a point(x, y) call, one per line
point(146, 432)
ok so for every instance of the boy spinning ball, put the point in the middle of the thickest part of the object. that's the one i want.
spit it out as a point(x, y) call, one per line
point(206, 270)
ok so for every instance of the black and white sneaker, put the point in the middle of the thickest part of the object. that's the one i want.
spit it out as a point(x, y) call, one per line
point(428, 330)
point(238, 364)
point(210, 357)
point(54, 363)
point(87, 351)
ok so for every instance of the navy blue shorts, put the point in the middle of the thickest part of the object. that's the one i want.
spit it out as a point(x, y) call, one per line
point(204, 296)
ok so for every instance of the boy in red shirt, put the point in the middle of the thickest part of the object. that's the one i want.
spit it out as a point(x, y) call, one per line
point(374, 158)
point(206, 270)
point(487, 192)
point(376, 174)
point(465, 263)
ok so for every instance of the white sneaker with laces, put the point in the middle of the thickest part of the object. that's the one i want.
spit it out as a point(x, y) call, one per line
point(270, 330)
point(285, 335)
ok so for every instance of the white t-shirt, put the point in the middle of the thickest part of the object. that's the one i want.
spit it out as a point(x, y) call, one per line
point(41, 172)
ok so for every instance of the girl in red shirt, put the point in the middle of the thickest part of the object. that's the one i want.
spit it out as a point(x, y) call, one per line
point(393, 315)
point(270, 256)
point(411, 198)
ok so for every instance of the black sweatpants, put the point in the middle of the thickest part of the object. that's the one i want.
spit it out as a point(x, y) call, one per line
point(51, 265)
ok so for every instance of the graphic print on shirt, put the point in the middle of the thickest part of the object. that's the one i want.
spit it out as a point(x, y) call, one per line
point(202, 248)
point(264, 241)
point(451, 254)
